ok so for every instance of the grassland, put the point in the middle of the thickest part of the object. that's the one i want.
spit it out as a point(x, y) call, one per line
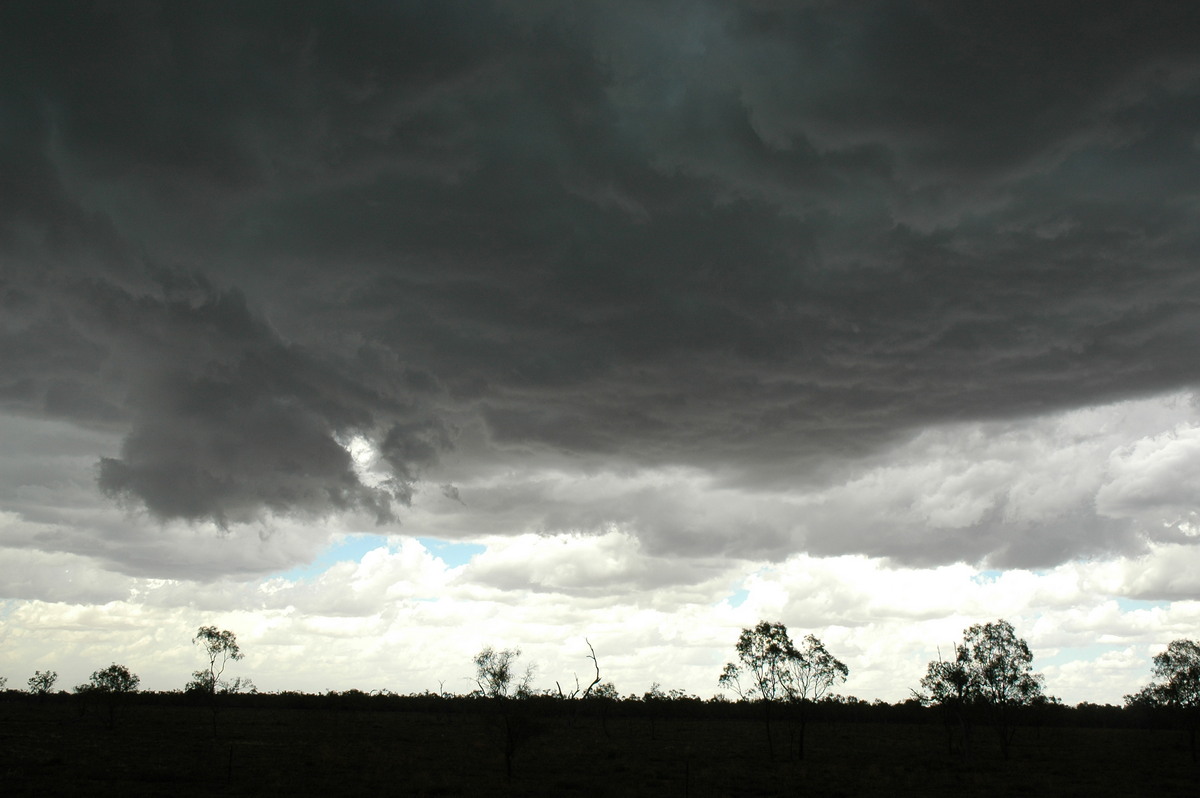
point(165, 744)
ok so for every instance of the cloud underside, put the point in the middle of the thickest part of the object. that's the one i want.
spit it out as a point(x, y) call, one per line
point(737, 279)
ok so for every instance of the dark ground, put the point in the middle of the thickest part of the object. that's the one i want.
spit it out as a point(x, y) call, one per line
point(309, 745)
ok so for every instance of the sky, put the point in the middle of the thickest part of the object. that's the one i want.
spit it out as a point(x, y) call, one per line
point(378, 333)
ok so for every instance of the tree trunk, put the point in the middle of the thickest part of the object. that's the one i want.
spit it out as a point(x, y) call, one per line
point(767, 721)
point(800, 742)
point(510, 746)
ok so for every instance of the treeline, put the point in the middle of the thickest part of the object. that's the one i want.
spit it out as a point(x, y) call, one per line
point(779, 721)
point(677, 706)
point(987, 682)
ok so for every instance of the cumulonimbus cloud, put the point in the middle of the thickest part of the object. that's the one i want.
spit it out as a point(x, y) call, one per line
point(765, 241)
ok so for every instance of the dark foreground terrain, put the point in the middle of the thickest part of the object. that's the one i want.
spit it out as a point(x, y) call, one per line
point(168, 744)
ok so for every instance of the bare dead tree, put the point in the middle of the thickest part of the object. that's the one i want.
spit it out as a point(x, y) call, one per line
point(596, 663)
point(576, 692)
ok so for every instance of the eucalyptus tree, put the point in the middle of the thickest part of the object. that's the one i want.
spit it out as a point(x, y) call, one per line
point(496, 674)
point(947, 685)
point(42, 682)
point(991, 673)
point(497, 679)
point(111, 685)
point(220, 647)
point(114, 679)
point(761, 672)
point(812, 673)
point(1176, 685)
point(771, 669)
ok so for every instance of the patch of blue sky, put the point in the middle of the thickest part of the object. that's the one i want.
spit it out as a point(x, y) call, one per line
point(1129, 605)
point(351, 548)
point(1075, 654)
point(450, 552)
point(738, 597)
point(986, 577)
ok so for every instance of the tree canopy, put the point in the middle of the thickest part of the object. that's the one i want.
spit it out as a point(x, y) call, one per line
point(992, 672)
point(772, 668)
point(220, 646)
point(1177, 678)
point(114, 679)
point(495, 673)
point(42, 682)
point(991, 666)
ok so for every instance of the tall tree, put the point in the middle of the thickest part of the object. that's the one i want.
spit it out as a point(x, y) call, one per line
point(111, 685)
point(811, 675)
point(496, 676)
point(220, 646)
point(992, 673)
point(1176, 685)
point(813, 672)
point(764, 653)
point(773, 669)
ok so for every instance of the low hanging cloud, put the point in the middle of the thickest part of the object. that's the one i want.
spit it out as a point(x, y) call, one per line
point(226, 419)
point(1002, 494)
point(779, 248)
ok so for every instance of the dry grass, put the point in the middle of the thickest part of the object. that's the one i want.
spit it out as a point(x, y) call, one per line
point(268, 748)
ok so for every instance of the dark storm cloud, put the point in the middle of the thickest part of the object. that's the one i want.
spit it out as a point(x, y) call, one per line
point(751, 237)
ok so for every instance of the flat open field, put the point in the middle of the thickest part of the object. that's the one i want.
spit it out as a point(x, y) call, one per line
point(169, 748)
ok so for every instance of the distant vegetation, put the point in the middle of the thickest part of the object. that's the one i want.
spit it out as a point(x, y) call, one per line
point(990, 676)
point(781, 691)
point(42, 682)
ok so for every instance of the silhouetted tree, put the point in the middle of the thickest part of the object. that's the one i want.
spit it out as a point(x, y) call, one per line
point(238, 684)
point(773, 669)
point(590, 687)
point(42, 682)
point(495, 673)
point(111, 684)
point(946, 684)
point(991, 672)
point(764, 654)
point(220, 646)
point(115, 679)
point(604, 695)
point(812, 673)
point(606, 691)
point(1177, 671)
point(654, 698)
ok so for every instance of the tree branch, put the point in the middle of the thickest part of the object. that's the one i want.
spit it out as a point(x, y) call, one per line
point(595, 662)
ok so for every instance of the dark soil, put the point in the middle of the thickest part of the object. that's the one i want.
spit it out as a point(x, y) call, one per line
point(164, 744)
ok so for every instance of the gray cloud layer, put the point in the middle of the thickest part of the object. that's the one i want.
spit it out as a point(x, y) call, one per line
point(763, 239)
